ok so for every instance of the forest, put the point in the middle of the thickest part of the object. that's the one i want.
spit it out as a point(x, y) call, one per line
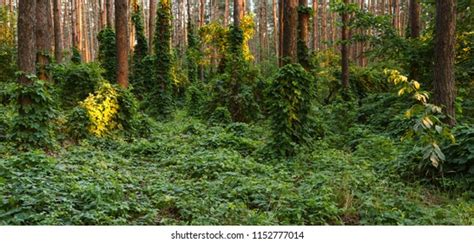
point(243, 112)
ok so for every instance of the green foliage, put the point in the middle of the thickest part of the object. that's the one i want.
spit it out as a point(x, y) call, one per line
point(140, 71)
point(7, 45)
point(76, 56)
point(220, 116)
point(235, 88)
point(192, 53)
point(108, 52)
point(76, 81)
point(460, 155)
point(196, 98)
point(428, 129)
point(291, 94)
point(160, 101)
point(33, 126)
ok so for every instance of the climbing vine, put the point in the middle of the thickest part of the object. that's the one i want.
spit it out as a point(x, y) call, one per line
point(108, 52)
point(160, 101)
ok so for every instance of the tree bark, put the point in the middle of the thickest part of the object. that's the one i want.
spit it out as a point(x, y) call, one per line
point(110, 13)
point(239, 10)
point(315, 25)
point(324, 32)
point(202, 6)
point(275, 28)
point(415, 23)
point(26, 40)
point(151, 24)
point(289, 33)
point(121, 27)
point(43, 37)
point(445, 43)
point(58, 32)
point(226, 13)
point(303, 35)
point(344, 49)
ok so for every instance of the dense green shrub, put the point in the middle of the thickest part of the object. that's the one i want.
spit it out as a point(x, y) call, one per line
point(34, 124)
point(291, 94)
point(235, 87)
point(108, 53)
point(76, 81)
point(220, 115)
point(460, 155)
point(196, 98)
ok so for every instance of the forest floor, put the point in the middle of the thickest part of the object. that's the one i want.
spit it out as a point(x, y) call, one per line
point(187, 172)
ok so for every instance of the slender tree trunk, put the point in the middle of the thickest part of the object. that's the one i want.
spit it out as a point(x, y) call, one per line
point(275, 27)
point(26, 41)
point(239, 10)
point(226, 13)
point(344, 49)
point(262, 24)
point(415, 23)
point(121, 27)
point(43, 37)
point(58, 33)
point(290, 32)
point(151, 24)
point(110, 13)
point(324, 26)
point(445, 43)
point(315, 25)
point(202, 7)
point(303, 35)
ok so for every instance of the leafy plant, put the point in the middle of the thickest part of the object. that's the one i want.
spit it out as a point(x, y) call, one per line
point(291, 95)
point(427, 125)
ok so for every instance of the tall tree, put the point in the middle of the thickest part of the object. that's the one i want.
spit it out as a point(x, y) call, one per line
point(151, 24)
point(445, 43)
point(110, 12)
point(58, 31)
point(43, 37)
point(289, 33)
point(315, 25)
point(239, 11)
point(415, 23)
point(303, 33)
point(226, 12)
point(121, 27)
point(262, 29)
point(275, 27)
point(26, 40)
point(344, 48)
point(324, 32)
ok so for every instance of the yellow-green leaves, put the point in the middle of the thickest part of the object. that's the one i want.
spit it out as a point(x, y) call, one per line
point(102, 108)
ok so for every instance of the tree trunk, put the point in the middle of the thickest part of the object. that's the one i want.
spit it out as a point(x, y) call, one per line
point(226, 13)
point(303, 34)
point(58, 32)
point(275, 28)
point(202, 6)
point(26, 40)
point(415, 23)
point(121, 27)
point(315, 25)
point(151, 23)
point(262, 31)
point(289, 32)
point(239, 10)
point(445, 43)
point(110, 13)
point(344, 51)
point(324, 32)
point(43, 37)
